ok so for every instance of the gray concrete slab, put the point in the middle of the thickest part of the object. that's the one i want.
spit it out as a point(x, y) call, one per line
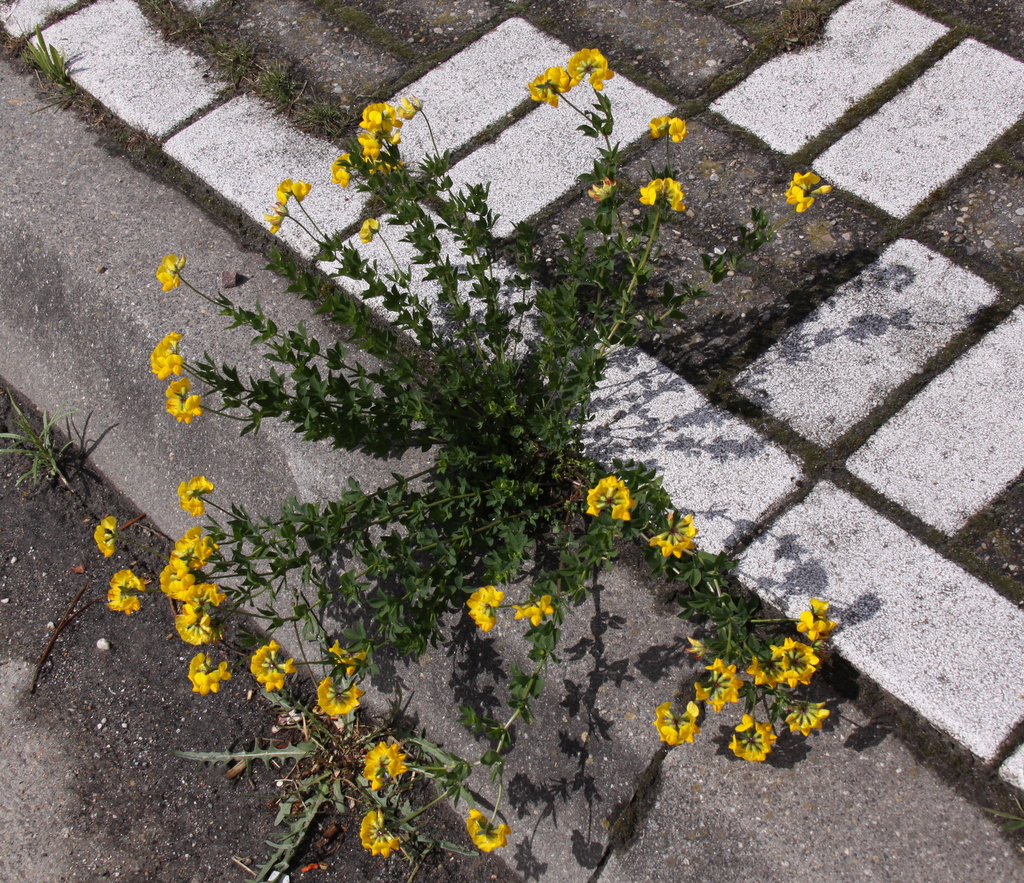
point(115, 55)
point(713, 464)
point(483, 98)
point(966, 429)
point(21, 17)
point(795, 97)
point(243, 151)
point(874, 333)
point(909, 619)
point(545, 150)
point(930, 131)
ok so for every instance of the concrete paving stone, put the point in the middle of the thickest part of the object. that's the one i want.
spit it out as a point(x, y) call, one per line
point(114, 54)
point(849, 803)
point(966, 429)
point(545, 150)
point(713, 464)
point(321, 49)
point(678, 44)
point(930, 131)
point(795, 97)
point(723, 179)
point(491, 74)
point(999, 22)
point(1011, 770)
point(908, 618)
point(982, 221)
point(21, 17)
point(243, 150)
point(874, 333)
point(432, 26)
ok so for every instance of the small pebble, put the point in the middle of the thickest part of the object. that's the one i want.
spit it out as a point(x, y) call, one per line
point(50, 626)
point(5, 600)
point(103, 644)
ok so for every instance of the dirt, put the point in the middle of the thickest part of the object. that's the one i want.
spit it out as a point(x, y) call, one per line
point(89, 786)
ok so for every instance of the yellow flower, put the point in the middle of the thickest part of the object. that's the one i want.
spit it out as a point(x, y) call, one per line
point(123, 593)
point(370, 145)
point(206, 593)
point(799, 662)
point(535, 612)
point(380, 118)
point(164, 360)
point(383, 758)
point(278, 212)
point(482, 606)
point(800, 193)
point(268, 669)
point(723, 686)
point(193, 548)
point(589, 63)
point(106, 535)
point(485, 835)
point(663, 187)
point(369, 229)
point(409, 107)
point(753, 741)
point(674, 127)
point(195, 626)
point(813, 622)
point(351, 662)
point(610, 493)
point(169, 271)
point(190, 494)
point(770, 674)
point(204, 678)
point(180, 582)
point(673, 729)
point(335, 703)
point(180, 404)
point(602, 190)
point(678, 538)
point(288, 187)
point(806, 716)
point(340, 170)
point(549, 85)
point(374, 836)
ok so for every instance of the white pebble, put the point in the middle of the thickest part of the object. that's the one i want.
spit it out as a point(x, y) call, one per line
point(103, 644)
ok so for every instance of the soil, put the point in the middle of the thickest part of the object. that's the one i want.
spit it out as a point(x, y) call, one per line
point(89, 786)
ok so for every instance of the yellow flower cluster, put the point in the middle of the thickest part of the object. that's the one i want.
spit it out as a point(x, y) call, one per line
point(673, 728)
point(753, 741)
point(375, 837)
point(555, 81)
point(674, 127)
point(610, 493)
point(169, 271)
point(182, 581)
point(535, 612)
point(268, 668)
point(800, 192)
point(483, 604)
point(678, 538)
point(337, 701)
point(182, 403)
point(383, 759)
point(204, 677)
point(125, 588)
point(106, 535)
point(666, 189)
point(191, 492)
point(164, 360)
point(486, 836)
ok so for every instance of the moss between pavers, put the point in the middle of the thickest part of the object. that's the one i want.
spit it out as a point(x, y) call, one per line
point(651, 41)
point(1000, 23)
point(996, 537)
point(981, 222)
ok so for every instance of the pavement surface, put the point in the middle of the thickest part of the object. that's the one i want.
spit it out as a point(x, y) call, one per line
point(845, 456)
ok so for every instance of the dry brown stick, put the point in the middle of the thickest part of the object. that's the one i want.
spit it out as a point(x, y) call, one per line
point(67, 618)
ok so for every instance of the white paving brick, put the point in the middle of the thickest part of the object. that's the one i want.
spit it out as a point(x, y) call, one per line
point(1012, 769)
point(538, 159)
point(114, 54)
point(870, 336)
point(244, 150)
point(795, 97)
point(713, 464)
point(921, 627)
point(22, 17)
point(476, 87)
point(929, 132)
point(966, 431)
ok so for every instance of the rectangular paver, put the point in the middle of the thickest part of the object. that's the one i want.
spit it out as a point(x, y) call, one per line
point(538, 159)
point(929, 132)
point(917, 624)
point(479, 85)
point(870, 336)
point(966, 431)
point(795, 97)
point(713, 464)
point(22, 17)
point(115, 55)
point(244, 150)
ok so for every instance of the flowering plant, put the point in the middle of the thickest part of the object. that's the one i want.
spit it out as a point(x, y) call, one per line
point(493, 374)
